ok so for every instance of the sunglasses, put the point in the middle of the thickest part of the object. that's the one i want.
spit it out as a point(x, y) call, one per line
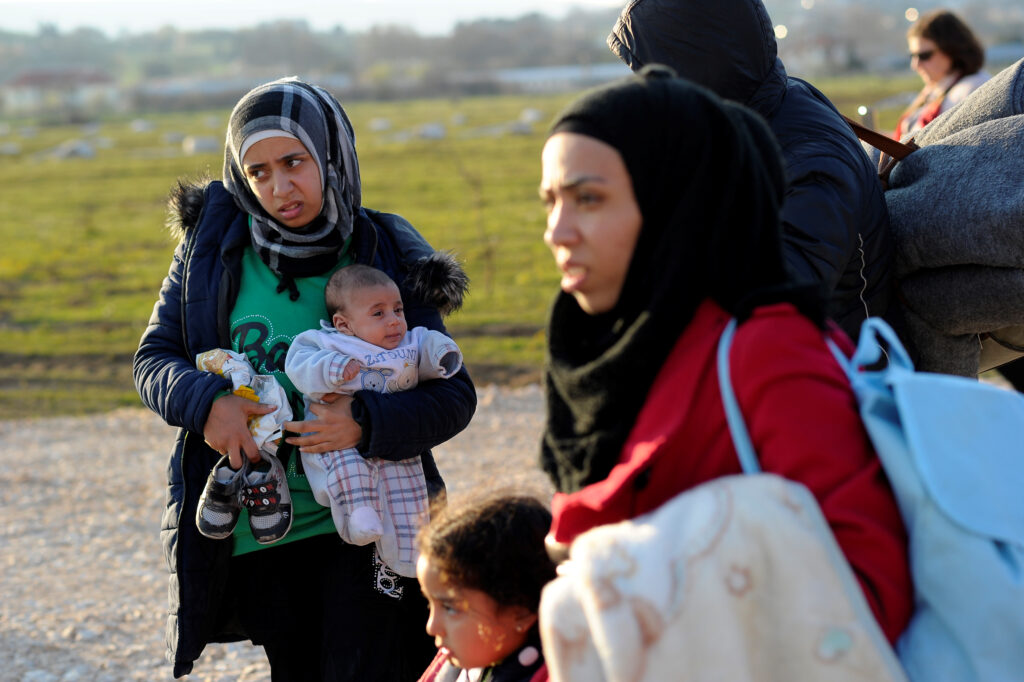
point(922, 56)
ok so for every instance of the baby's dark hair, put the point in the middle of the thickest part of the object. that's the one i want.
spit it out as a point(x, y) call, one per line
point(493, 544)
point(351, 277)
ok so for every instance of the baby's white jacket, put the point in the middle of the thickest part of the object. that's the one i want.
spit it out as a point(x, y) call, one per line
point(317, 358)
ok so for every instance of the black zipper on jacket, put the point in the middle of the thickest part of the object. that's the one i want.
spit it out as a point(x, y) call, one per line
point(191, 235)
point(190, 242)
point(227, 294)
point(365, 239)
point(376, 243)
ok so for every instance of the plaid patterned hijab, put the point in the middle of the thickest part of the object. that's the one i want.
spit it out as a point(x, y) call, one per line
point(314, 117)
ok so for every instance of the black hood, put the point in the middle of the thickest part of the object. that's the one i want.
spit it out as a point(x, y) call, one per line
point(728, 46)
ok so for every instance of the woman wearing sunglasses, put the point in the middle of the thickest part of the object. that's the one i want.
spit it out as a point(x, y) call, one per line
point(948, 57)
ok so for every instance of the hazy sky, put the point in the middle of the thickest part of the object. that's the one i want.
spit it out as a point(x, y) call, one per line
point(114, 16)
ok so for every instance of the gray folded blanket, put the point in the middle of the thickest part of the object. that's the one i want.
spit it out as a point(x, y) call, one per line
point(960, 200)
point(967, 298)
point(956, 208)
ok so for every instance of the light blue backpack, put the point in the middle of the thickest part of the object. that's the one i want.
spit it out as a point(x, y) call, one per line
point(953, 449)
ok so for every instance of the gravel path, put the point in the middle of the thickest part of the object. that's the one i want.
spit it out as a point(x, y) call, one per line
point(82, 578)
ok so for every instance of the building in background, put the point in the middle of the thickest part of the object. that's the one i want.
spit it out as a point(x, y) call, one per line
point(72, 94)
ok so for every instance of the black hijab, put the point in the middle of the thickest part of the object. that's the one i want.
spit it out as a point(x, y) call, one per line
point(708, 178)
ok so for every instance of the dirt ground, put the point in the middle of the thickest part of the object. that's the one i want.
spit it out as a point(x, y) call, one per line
point(83, 588)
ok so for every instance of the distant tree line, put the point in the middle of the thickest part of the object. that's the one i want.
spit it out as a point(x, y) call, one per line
point(293, 47)
point(837, 36)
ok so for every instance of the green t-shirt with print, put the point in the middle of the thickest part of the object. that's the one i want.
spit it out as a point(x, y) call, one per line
point(263, 324)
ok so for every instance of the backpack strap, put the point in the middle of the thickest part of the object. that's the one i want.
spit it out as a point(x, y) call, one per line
point(893, 151)
point(876, 336)
point(737, 427)
point(894, 148)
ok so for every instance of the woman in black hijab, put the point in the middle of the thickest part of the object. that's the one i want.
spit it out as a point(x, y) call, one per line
point(663, 208)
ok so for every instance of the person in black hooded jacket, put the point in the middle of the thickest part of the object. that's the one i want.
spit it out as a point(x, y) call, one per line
point(248, 274)
point(834, 218)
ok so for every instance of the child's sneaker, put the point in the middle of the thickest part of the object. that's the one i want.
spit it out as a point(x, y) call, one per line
point(266, 496)
point(219, 505)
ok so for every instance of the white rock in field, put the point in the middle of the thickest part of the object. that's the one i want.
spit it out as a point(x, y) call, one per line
point(74, 149)
point(431, 131)
point(530, 116)
point(200, 144)
point(520, 128)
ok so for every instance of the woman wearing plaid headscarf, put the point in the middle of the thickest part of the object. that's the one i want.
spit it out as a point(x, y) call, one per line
point(248, 274)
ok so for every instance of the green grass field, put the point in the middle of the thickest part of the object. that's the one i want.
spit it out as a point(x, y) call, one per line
point(83, 248)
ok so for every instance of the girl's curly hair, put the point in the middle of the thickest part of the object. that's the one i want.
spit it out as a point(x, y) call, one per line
point(493, 544)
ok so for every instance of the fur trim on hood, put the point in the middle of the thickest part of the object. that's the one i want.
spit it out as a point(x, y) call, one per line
point(437, 279)
point(184, 204)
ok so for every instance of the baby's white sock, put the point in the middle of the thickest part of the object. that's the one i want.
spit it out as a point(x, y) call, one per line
point(364, 526)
